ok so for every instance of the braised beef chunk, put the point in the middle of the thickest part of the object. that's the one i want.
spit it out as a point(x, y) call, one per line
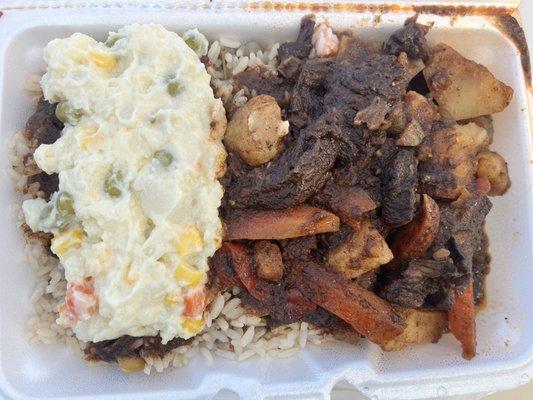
point(263, 81)
point(130, 346)
point(424, 282)
point(43, 127)
point(302, 46)
point(410, 39)
point(307, 95)
point(295, 176)
point(398, 188)
point(48, 184)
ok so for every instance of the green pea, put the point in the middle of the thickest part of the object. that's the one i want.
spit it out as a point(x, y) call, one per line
point(192, 43)
point(173, 88)
point(164, 157)
point(46, 212)
point(112, 184)
point(110, 42)
point(68, 115)
point(65, 204)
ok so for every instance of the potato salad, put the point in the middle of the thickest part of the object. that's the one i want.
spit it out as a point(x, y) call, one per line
point(135, 219)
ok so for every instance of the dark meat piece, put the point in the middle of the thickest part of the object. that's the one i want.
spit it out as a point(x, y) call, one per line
point(480, 268)
point(350, 203)
point(264, 82)
point(355, 85)
point(398, 188)
point(43, 127)
point(299, 173)
point(130, 346)
point(410, 39)
point(424, 283)
point(298, 249)
point(373, 115)
point(289, 67)
point(48, 184)
point(460, 232)
point(307, 95)
point(282, 302)
point(302, 46)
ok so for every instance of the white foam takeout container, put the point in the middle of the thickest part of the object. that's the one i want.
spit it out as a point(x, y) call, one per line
point(505, 327)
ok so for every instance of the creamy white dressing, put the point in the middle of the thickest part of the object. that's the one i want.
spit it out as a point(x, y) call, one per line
point(128, 249)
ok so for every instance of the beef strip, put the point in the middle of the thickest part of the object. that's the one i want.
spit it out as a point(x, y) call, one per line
point(264, 81)
point(424, 282)
point(302, 46)
point(300, 171)
point(43, 127)
point(410, 39)
point(398, 188)
point(130, 346)
point(429, 283)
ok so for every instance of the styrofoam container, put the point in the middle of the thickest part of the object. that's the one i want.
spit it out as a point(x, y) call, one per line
point(505, 327)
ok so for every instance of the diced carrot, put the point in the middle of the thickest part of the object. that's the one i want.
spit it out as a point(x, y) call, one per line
point(80, 300)
point(462, 320)
point(194, 303)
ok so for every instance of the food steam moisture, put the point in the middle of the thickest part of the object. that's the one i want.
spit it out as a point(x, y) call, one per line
point(136, 215)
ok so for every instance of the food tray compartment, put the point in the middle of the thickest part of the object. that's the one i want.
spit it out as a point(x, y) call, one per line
point(505, 327)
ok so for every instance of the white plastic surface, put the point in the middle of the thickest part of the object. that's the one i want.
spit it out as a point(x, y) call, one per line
point(505, 328)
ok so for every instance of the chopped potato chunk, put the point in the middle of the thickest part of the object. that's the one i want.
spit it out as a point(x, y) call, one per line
point(462, 88)
point(420, 327)
point(362, 252)
point(492, 166)
point(268, 262)
point(256, 129)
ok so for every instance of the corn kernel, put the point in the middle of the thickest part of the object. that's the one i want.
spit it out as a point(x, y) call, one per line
point(172, 299)
point(103, 60)
point(190, 241)
point(191, 276)
point(193, 326)
point(130, 364)
point(66, 241)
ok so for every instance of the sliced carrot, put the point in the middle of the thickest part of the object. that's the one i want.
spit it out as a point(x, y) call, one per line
point(280, 224)
point(194, 303)
point(241, 263)
point(462, 320)
point(414, 239)
point(80, 300)
point(368, 314)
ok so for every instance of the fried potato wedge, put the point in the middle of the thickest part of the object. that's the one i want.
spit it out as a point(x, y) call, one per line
point(280, 224)
point(368, 314)
point(421, 326)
